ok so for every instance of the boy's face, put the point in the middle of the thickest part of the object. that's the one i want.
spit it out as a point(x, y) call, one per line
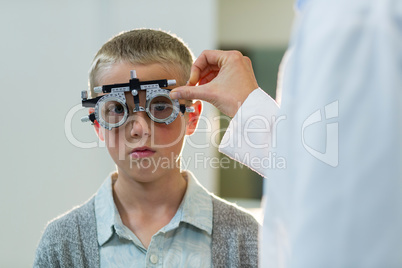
point(141, 148)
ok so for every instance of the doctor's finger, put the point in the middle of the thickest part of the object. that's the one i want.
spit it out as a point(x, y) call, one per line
point(192, 92)
point(208, 61)
point(208, 78)
point(197, 74)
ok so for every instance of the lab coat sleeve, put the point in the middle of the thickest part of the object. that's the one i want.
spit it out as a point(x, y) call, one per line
point(340, 200)
point(251, 132)
point(338, 203)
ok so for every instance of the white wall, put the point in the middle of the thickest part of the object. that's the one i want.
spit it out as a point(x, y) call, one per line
point(255, 23)
point(46, 48)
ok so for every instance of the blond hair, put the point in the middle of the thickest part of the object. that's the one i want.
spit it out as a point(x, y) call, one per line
point(142, 46)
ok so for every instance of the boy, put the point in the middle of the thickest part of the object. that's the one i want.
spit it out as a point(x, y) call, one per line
point(147, 214)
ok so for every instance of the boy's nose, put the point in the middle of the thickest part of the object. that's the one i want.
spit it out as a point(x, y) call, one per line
point(140, 125)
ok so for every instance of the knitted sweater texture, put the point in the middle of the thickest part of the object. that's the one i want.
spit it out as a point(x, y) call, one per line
point(71, 239)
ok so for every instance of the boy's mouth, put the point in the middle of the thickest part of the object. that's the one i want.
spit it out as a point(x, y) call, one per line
point(141, 152)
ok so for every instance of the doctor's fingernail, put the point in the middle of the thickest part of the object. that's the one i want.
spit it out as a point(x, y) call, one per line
point(175, 95)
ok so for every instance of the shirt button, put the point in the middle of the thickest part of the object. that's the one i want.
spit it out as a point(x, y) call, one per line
point(154, 259)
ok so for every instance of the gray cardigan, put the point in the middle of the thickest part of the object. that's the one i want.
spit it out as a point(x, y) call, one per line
point(71, 240)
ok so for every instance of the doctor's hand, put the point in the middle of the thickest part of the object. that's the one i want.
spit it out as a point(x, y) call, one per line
point(225, 79)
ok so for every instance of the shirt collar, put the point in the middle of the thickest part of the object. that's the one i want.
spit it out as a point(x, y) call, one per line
point(197, 204)
point(105, 211)
point(195, 208)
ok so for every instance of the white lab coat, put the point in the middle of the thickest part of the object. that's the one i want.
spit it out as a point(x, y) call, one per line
point(337, 201)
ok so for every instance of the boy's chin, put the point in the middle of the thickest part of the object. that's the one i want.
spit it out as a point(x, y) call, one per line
point(146, 171)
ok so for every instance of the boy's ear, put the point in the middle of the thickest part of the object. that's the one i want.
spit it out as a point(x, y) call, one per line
point(193, 118)
point(97, 127)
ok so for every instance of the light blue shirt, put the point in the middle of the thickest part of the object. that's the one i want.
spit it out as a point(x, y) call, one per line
point(184, 242)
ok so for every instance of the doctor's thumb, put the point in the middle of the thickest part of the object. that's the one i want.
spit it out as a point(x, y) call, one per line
point(191, 93)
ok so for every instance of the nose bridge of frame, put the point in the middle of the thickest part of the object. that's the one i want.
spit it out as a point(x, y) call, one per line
point(131, 100)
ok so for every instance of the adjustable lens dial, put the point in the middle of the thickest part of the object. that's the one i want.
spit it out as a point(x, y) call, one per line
point(161, 108)
point(111, 110)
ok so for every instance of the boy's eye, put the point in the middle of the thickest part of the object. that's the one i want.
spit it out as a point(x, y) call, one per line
point(114, 108)
point(118, 109)
point(160, 106)
point(112, 112)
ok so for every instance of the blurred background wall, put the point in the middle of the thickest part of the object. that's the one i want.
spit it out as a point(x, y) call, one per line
point(260, 30)
point(46, 49)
